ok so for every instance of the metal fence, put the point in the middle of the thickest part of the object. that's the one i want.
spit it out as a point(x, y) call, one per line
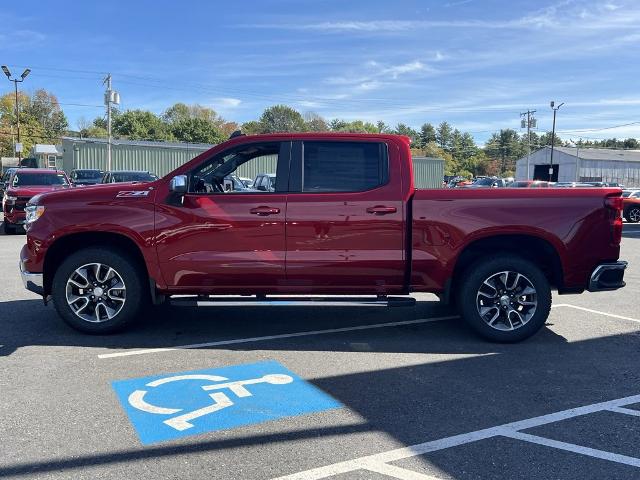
point(156, 157)
point(428, 172)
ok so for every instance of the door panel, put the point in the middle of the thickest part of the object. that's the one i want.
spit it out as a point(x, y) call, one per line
point(216, 241)
point(347, 242)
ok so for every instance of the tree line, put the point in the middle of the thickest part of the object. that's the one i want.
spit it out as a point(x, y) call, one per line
point(43, 121)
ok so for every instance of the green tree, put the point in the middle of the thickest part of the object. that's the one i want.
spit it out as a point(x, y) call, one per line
point(356, 126)
point(383, 127)
point(545, 140)
point(315, 123)
point(427, 134)
point(252, 127)
point(196, 130)
point(281, 118)
point(443, 135)
point(41, 121)
point(506, 147)
point(44, 108)
point(140, 125)
point(402, 129)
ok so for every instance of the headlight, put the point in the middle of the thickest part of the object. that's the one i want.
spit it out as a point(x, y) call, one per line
point(34, 212)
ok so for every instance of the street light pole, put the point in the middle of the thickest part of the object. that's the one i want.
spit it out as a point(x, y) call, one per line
point(15, 81)
point(553, 135)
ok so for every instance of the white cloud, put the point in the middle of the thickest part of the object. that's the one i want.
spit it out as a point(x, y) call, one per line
point(228, 102)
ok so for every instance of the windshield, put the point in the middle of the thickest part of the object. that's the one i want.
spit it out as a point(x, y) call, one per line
point(23, 179)
point(485, 181)
point(87, 174)
point(133, 177)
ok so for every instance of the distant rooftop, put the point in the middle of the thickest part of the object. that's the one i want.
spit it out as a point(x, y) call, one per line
point(141, 143)
point(600, 153)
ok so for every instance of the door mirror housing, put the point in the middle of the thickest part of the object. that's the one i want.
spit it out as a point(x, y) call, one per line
point(178, 184)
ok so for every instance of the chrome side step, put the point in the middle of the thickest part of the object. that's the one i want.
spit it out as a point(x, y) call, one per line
point(221, 301)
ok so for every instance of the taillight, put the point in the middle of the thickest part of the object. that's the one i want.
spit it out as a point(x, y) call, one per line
point(614, 204)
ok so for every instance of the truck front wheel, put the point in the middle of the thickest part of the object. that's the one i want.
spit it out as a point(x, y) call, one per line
point(98, 290)
point(505, 298)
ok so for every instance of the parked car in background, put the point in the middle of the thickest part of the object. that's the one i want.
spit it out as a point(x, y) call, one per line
point(233, 183)
point(631, 205)
point(83, 176)
point(265, 182)
point(4, 178)
point(530, 184)
point(488, 182)
point(22, 185)
point(247, 182)
point(605, 184)
point(121, 176)
point(573, 185)
point(331, 227)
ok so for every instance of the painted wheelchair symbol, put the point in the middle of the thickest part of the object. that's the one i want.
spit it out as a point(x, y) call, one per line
point(220, 399)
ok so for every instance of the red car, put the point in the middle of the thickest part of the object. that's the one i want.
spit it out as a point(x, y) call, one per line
point(21, 186)
point(631, 199)
point(344, 218)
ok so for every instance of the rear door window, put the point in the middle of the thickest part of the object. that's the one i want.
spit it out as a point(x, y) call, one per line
point(343, 166)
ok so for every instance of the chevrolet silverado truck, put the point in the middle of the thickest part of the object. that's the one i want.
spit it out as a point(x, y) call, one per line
point(344, 219)
point(22, 184)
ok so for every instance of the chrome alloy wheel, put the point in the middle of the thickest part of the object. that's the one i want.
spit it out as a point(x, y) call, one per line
point(634, 214)
point(95, 292)
point(506, 300)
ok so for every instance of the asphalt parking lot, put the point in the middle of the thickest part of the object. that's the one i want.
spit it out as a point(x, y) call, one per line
point(410, 393)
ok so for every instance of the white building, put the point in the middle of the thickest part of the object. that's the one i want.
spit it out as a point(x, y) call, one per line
point(574, 164)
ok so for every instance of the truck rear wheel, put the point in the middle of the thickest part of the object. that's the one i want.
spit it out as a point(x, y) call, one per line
point(99, 290)
point(632, 214)
point(505, 298)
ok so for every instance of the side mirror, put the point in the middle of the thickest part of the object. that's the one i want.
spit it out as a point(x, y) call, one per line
point(178, 184)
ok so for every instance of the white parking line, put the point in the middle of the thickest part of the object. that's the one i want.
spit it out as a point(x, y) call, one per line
point(570, 447)
point(598, 312)
point(323, 332)
point(511, 430)
point(626, 411)
point(277, 337)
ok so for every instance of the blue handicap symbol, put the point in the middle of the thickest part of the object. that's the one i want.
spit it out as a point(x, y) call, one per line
point(169, 406)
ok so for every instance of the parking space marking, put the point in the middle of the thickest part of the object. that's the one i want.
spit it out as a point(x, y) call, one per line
point(277, 337)
point(626, 411)
point(511, 430)
point(175, 405)
point(570, 447)
point(396, 472)
point(598, 312)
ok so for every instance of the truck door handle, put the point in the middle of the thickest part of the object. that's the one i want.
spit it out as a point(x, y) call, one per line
point(381, 210)
point(263, 211)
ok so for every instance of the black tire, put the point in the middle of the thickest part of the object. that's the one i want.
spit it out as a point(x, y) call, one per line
point(8, 228)
point(133, 276)
point(486, 269)
point(632, 214)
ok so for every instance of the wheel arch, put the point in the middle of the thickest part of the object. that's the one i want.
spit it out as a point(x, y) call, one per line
point(65, 245)
point(530, 247)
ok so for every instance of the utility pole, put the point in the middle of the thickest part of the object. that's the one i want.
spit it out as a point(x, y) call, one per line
point(531, 122)
point(110, 97)
point(15, 81)
point(553, 135)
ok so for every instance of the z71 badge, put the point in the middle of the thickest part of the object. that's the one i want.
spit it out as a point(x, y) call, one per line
point(133, 193)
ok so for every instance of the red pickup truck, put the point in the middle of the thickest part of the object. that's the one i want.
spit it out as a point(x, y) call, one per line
point(343, 219)
point(24, 183)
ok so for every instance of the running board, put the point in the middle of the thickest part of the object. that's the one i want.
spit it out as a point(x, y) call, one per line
point(215, 301)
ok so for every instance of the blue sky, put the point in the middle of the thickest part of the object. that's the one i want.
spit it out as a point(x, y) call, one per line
point(476, 64)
